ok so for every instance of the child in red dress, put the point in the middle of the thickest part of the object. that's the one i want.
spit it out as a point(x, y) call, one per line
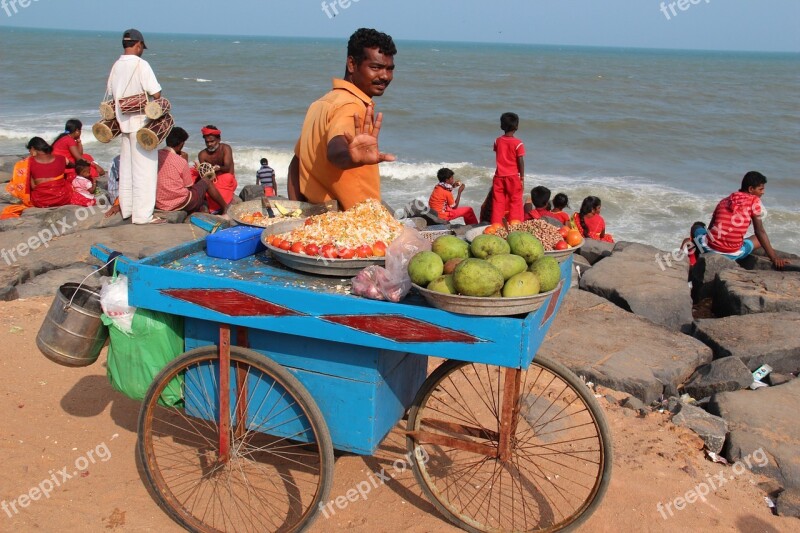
point(509, 177)
point(442, 202)
point(589, 222)
point(560, 201)
point(540, 204)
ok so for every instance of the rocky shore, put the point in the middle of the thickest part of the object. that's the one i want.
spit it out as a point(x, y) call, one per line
point(633, 324)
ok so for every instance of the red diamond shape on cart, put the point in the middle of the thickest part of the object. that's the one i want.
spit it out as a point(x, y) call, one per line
point(230, 302)
point(551, 304)
point(401, 329)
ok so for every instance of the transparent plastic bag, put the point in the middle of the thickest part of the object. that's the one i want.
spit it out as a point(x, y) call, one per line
point(114, 301)
point(391, 283)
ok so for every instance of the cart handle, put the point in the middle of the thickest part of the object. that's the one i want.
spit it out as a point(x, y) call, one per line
point(112, 258)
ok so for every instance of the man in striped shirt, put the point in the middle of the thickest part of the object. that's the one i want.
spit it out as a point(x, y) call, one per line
point(266, 178)
point(732, 218)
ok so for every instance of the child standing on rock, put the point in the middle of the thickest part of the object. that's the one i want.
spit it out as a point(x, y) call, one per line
point(509, 177)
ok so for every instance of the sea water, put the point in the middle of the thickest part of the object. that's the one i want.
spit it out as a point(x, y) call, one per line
point(659, 136)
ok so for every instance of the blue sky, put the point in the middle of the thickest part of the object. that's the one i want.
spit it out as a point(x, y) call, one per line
point(758, 25)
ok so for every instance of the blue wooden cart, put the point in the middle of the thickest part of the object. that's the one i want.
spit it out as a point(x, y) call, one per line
point(497, 440)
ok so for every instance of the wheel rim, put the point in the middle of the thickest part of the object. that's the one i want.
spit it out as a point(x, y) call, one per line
point(277, 470)
point(557, 464)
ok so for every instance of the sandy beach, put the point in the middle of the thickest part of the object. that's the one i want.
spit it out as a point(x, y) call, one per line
point(54, 415)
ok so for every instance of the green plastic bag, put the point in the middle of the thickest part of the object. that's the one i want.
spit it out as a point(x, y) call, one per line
point(135, 359)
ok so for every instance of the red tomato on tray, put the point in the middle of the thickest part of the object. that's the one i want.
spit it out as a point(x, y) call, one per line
point(298, 248)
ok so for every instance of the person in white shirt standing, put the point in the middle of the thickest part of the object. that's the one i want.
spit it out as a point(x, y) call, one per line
point(138, 168)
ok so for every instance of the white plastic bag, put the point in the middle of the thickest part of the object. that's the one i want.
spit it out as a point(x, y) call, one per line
point(114, 301)
point(393, 282)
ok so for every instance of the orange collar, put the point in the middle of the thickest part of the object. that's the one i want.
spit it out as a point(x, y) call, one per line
point(349, 87)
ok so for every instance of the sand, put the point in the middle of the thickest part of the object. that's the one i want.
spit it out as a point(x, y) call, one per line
point(56, 418)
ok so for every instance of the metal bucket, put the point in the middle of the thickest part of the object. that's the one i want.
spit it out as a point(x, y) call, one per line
point(72, 333)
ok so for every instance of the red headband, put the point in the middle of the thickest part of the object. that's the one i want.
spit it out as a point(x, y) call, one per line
point(210, 131)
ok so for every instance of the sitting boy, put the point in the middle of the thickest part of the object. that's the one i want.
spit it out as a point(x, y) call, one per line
point(732, 217)
point(540, 198)
point(441, 200)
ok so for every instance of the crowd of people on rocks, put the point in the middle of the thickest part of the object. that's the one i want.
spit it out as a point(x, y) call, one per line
point(336, 157)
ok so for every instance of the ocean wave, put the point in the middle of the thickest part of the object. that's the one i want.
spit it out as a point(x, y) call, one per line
point(198, 80)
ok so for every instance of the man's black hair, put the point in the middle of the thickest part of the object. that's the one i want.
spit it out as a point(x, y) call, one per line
point(264, 161)
point(444, 174)
point(176, 137)
point(127, 43)
point(509, 122)
point(540, 196)
point(369, 38)
point(752, 179)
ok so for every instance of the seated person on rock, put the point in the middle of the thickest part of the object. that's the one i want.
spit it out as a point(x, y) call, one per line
point(589, 222)
point(68, 143)
point(560, 202)
point(46, 182)
point(540, 204)
point(732, 218)
point(442, 202)
point(220, 156)
point(177, 189)
point(83, 184)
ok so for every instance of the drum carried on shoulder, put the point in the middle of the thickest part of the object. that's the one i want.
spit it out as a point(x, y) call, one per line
point(151, 135)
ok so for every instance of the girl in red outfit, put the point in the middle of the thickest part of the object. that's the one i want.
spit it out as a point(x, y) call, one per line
point(589, 222)
point(442, 202)
point(508, 180)
point(560, 202)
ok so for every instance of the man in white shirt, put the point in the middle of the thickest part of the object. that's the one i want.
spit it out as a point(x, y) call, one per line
point(138, 169)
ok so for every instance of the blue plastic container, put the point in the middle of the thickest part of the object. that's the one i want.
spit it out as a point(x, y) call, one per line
point(235, 243)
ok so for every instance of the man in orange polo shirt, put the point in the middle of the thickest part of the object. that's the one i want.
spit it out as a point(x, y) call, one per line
point(337, 155)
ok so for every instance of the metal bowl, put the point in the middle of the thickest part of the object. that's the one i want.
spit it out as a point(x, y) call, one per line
point(341, 268)
point(561, 255)
point(238, 211)
point(475, 305)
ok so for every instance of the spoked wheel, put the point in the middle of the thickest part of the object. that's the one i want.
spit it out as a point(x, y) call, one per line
point(500, 449)
point(271, 471)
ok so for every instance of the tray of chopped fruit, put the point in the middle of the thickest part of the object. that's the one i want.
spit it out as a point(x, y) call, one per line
point(334, 243)
point(264, 212)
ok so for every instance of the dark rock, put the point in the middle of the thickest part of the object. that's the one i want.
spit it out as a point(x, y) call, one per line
point(788, 503)
point(173, 217)
point(763, 430)
point(49, 282)
point(722, 375)
point(635, 280)
point(712, 429)
point(418, 208)
point(634, 403)
point(593, 250)
point(775, 378)
point(72, 247)
point(763, 338)
point(741, 292)
point(251, 192)
point(703, 274)
point(419, 222)
point(610, 399)
point(616, 349)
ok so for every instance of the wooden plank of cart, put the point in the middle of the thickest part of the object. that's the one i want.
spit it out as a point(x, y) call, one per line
point(498, 440)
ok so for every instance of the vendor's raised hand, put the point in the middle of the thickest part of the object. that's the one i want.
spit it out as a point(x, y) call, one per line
point(363, 146)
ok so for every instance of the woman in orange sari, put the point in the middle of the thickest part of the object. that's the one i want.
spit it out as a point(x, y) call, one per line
point(46, 182)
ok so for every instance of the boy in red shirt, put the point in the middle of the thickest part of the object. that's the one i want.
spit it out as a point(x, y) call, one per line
point(441, 200)
point(540, 204)
point(510, 174)
point(732, 218)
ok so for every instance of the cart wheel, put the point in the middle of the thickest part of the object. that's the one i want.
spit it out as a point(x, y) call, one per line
point(280, 464)
point(558, 460)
